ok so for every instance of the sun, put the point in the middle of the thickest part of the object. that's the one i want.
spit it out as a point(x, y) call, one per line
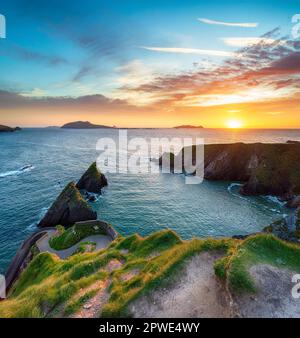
point(234, 124)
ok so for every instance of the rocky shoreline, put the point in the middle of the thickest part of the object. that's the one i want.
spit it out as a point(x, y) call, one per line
point(263, 169)
point(233, 162)
point(68, 209)
point(210, 268)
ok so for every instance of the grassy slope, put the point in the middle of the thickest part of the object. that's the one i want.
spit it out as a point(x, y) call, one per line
point(50, 283)
point(73, 235)
point(258, 249)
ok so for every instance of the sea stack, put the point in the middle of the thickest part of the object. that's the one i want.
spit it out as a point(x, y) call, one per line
point(92, 180)
point(69, 207)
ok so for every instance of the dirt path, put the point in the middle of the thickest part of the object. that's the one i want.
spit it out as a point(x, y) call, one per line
point(273, 298)
point(196, 293)
point(92, 308)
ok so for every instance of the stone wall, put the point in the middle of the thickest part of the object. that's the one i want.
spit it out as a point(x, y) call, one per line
point(110, 231)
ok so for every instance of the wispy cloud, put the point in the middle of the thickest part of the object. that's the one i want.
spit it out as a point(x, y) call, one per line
point(230, 24)
point(249, 41)
point(11, 100)
point(36, 92)
point(261, 93)
point(237, 80)
point(196, 51)
point(18, 52)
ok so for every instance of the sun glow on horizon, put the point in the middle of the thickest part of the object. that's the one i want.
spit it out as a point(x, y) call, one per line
point(234, 124)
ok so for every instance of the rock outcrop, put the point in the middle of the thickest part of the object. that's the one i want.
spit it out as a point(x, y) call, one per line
point(294, 202)
point(69, 207)
point(8, 129)
point(265, 169)
point(92, 180)
point(287, 228)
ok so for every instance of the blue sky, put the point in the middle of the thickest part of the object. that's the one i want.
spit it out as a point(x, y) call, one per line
point(94, 47)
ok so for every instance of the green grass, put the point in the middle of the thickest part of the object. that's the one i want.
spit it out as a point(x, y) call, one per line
point(71, 236)
point(49, 284)
point(258, 249)
point(85, 247)
point(75, 305)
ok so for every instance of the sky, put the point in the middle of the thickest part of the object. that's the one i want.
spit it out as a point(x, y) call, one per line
point(140, 63)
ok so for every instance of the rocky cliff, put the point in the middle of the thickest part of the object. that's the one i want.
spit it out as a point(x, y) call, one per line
point(92, 180)
point(8, 129)
point(265, 169)
point(287, 228)
point(69, 207)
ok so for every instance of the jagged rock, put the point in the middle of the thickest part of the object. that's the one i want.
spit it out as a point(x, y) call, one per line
point(287, 228)
point(294, 203)
point(92, 180)
point(69, 207)
point(91, 198)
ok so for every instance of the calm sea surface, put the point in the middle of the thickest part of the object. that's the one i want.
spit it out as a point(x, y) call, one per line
point(35, 164)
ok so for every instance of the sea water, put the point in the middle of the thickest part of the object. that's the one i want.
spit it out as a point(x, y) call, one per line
point(36, 164)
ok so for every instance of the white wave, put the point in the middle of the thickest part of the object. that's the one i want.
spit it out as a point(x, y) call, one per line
point(22, 170)
point(249, 200)
point(233, 185)
point(275, 199)
point(31, 227)
point(41, 214)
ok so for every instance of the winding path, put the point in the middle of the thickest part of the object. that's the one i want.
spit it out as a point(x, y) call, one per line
point(42, 236)
point(102, 241)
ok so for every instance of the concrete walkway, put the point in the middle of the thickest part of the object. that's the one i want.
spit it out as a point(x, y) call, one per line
point(102, 241)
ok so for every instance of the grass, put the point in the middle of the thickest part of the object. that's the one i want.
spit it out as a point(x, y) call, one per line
point(67, 238)
point(156, 272)
point(85, 247)
point(49, 284)
point(258, 249)
point(75, 305)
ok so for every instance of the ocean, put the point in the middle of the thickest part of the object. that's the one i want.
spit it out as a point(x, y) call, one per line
point(35, 165)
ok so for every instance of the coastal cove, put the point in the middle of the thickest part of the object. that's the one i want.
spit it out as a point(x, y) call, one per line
point(132, 202)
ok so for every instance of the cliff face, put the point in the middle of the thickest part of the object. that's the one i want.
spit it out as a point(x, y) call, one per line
point(266, 169)
point(69, 207)
point(92, 180)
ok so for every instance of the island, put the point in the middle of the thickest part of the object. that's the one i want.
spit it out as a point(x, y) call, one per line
point(85, 125)
point(52, 127)
point(188, 126)
point(8, 129)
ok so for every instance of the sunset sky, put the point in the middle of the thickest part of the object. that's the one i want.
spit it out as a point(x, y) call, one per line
point(141, 63)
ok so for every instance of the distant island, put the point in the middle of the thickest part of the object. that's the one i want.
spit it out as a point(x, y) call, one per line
point(83, 125)
point(8, 129)
point(52, 127)
point(188, 126)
